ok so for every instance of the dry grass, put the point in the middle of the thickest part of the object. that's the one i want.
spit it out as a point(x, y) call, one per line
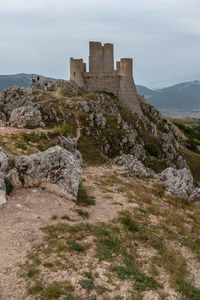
point(112, 260)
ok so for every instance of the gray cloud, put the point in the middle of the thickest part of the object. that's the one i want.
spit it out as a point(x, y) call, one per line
point(162, 36)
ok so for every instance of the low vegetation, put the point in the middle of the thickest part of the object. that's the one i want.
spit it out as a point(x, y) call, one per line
point(139, 251)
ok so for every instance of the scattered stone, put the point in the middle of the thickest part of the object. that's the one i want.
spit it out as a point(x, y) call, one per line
point(19, 206)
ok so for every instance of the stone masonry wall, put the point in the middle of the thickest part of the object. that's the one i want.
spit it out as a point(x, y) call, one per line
point(108, 83)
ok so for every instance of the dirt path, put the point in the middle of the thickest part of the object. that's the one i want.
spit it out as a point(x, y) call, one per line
point(12, 130)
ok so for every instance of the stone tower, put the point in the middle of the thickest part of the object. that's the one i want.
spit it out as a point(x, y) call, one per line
point(103, 77)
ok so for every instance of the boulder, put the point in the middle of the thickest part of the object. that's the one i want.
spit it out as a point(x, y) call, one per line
point(2, 119)
point(70, 144)
point(133, 165)
point(2, 190)
point(55, 169)
point(13, 176)
point(25, 116)
point(3, 160)
point(178, 182)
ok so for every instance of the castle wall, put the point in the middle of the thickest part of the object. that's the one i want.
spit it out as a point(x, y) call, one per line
point(104, 82)
point(77, 70)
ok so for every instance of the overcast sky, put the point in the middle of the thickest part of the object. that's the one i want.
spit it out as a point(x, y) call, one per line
point(162, 36)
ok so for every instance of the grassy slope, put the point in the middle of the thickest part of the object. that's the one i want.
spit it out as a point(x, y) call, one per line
point(144, 252)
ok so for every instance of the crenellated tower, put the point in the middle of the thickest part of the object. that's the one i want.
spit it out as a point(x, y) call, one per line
point(103, 77)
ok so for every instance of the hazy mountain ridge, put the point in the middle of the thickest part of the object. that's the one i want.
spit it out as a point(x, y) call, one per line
point(183, 96)
point(21, 80)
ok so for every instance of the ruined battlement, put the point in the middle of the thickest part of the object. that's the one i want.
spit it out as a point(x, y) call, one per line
point(102, 75)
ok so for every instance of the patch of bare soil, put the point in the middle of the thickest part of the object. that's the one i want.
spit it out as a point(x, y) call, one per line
point(26, 211)
point(4, 131)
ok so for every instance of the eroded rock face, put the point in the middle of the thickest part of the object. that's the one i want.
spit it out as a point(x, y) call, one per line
point(3, 160)
point(70, 144)
point(25, 116)
point(13, 98)
point(2, 119)
point(178, 182)
point(133, 165)
point(13, 176)
point(56, 168)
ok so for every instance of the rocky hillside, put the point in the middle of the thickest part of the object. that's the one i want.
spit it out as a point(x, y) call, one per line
point(116, 197)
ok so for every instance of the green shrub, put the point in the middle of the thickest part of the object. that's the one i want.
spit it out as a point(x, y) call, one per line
point(75, 246)
point(83, 198)
point(86, 284)
point(191, 145)
point(36, 288)
point(53, 291)
point(9, 186)
point(153, 149)
point(128, 222)
point(188, 290)
point(67, 130)
point(82, 213)
point(157, 165)
point(32, 272)
point(31, 138)
point(193, 160)
point(162, 128)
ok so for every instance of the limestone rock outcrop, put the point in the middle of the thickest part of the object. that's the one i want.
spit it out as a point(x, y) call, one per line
point(69, 88)
point(13, 176)
point(133, 165)
point(70, 144)
point(3, 160)
point(178, 182)
point(26, 116)
point(56, 169)
point(14, 97)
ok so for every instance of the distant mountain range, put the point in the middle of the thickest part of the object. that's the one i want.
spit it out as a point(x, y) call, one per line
point(22, 79)
point(183, 97)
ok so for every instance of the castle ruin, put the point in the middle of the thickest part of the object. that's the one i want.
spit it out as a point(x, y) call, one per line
point(103, 77)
